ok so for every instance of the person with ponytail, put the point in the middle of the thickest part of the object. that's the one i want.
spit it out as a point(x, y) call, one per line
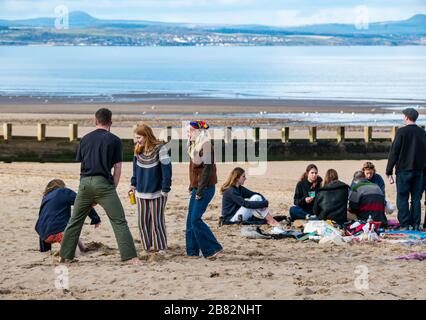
point(151, 181)
point(242, 204)
point(54, 214)
point(202, 181)
point(304, 195)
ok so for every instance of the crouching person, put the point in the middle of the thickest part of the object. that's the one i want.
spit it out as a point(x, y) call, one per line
point(54, 214)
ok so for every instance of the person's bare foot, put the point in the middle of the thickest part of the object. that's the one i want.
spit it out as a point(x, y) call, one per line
point(135, 261)
point(215, 255)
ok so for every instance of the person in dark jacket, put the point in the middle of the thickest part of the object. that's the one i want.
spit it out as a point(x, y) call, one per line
point(202, 187)
point(331, 202)
point(367, 199)
point(304, 196)
point(54, 214)
point(151, 182)
point(240, 203)
point(408, 156)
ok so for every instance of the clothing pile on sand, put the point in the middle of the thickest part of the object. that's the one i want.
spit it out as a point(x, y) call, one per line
point(352, 232)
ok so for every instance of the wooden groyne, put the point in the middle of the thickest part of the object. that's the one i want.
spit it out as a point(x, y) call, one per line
point(231, 148)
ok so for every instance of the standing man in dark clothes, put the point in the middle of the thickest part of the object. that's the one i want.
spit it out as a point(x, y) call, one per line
point(98, 153)
point(408, 155)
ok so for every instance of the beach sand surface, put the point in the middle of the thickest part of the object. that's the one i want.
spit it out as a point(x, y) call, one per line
point(248, 269)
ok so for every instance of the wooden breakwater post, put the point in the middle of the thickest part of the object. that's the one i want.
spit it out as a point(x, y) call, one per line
point(41, 131)
point(340, 134)
point(285, 134)
point(312, 134)
point(256, 134)
point(393, 133)
point(227, 137)
point(73, 132)
point(7, 131)
point(168, 133)
point(368, 134)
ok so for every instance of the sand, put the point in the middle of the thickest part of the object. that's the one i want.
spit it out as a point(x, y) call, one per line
point(248, 269)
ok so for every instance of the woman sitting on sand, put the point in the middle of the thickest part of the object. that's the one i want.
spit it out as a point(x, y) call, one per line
point(54, 214)
point(242, 204)
point(331, 202)
point(151, 181)
point(304, 196)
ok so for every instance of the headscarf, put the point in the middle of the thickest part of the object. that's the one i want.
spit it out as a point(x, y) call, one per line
point(194, 147)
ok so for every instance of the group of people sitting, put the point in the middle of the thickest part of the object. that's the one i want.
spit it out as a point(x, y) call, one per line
point(314, 198)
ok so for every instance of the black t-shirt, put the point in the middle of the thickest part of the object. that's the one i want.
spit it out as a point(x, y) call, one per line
point(99, 150)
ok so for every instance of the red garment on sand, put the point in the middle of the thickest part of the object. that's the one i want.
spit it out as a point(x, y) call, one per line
point(55, 238)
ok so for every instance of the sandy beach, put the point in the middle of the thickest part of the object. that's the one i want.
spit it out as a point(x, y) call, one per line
point(249, 269)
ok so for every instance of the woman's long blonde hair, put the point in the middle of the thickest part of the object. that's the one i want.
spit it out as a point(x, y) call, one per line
point(232, 179)
point(150, 140)
point(53, 185)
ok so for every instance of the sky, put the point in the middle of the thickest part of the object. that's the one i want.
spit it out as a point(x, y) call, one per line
point(265, 12)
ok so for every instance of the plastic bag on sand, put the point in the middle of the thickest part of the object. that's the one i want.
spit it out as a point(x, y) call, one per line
point(332, 238)
point(322, 228)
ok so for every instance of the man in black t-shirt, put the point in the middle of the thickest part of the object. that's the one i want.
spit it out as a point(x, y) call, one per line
point(99, 152)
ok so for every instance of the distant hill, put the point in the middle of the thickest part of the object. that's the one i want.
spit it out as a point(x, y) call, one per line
point(139, 32)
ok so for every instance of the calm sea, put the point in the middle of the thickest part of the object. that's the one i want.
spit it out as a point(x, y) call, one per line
point(359, 73)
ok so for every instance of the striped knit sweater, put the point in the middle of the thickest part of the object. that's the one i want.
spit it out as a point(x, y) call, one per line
point(152, 173)
point(367, 199)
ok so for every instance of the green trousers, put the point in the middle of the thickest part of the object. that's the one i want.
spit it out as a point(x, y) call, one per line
point(98, 190)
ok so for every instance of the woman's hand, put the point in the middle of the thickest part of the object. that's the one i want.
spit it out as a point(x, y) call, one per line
point(132, 189)
point(309, 199)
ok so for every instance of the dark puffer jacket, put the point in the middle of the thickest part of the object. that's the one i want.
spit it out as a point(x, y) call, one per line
point(332, 202)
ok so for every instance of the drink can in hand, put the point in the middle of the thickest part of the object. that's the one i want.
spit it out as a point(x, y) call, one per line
point(132, 197)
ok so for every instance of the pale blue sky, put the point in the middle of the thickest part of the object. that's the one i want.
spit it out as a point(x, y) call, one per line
point(267, 12)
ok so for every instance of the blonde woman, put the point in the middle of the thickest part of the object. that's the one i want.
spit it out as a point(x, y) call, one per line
point(239, 202)
point(151, 182)
point(202, 176)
